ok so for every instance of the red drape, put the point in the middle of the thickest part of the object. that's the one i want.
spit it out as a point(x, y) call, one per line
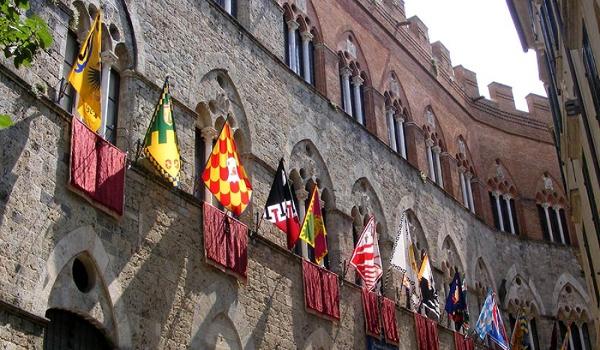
point(427, 335)
point(371, 311)
point(225, 242)
point(321, 290)
point(460, 343)
point(97, 168)
point(331, 294)
point(388, 316)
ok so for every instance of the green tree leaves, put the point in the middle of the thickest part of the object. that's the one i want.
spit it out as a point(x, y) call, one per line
point(21, 35)
point(5, 121)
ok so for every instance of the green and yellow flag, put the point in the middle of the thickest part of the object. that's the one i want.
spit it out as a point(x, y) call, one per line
point(86, 76)
point(160, 143)
point(313, 229)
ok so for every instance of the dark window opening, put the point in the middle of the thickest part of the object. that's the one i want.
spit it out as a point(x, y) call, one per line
point(67, 331)
point(112, 113)
point(67, 100)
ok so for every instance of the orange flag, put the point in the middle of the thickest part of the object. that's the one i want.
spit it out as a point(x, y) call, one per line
point(225, 176)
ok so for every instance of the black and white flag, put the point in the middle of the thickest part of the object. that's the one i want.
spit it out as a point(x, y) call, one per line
point(281, 207)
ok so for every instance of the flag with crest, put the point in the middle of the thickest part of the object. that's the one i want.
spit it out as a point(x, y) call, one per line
point(85, 76)
point(224, 175)
point(160, 144)
point(490, 323)
point(429, 296)
point(456, 303)
point(366, 258)
point(403, 259)
point(280, 208)
point(313, 228)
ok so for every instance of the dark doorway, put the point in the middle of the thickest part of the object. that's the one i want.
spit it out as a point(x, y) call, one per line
point(68, 331)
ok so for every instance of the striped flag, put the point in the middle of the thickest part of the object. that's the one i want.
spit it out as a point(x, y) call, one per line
point(366, 258)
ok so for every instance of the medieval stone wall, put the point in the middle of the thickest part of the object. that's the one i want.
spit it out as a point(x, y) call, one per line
point(153, 289)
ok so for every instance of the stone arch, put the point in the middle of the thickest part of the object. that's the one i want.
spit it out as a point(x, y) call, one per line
point(500, 179)
point(219, 313)
point(419, 237)
point(84, 240)
point(367, 202)
point(220, 102)
point(319, 340)
point(548, 190)
point(433, 129)
point(395, 96)
point(522, 293)
point(306, 163)
point(483, 278)
point(451, 260)
point(569, 299)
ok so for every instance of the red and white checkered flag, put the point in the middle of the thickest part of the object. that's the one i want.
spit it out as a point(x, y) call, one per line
point(366, 258)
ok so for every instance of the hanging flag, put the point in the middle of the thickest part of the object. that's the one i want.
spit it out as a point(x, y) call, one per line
point(490, 322)
point(313, 229)
point(520, 335)
point(224, 175)
point(465, 314)
point(566, 340)
point(456, 305)
point(366, 258)
point(160, 144)
point(428, 293)
point(280, 208)
point(403, 259)
point(86, 77)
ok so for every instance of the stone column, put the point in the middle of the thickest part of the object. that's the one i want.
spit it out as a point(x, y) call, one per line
point(468, 177)
point(560, 228)
point(108, 59)
point(429, 144)
point(390, 111)
point(346, 72)
point(306, 39)
point(357, 83)
point(548, 222)
point(438, 166)
point(227, 6)
point(208, 135)
point(401, 138)
point(302, 195)
point(292, 27)
point(499, 210)
point(510, 213)
point(463, 186)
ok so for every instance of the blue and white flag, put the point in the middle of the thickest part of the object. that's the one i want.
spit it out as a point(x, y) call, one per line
point(490, 323)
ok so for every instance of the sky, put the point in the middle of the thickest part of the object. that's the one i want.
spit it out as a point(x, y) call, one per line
point(481, 36)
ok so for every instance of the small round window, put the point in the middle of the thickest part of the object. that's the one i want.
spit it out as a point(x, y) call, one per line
point(84, 275)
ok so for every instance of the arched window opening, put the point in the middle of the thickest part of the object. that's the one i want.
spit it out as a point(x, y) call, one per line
point(551, 213)
point(299, 36)
point(353, 91)
point(396, 118)
point(502, 196)
point(68, 328)
point(466, 175)
point(434, 146)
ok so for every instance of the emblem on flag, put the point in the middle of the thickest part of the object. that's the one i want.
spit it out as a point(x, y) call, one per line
point(429, 295)
point(366, 258)
point(403, 259)
point(313, 229)
point(160, 144)
point(456, 302)
point(490, 323)
point(85, 76)
point(520, 335)
point(280, 208)
point(224, 175)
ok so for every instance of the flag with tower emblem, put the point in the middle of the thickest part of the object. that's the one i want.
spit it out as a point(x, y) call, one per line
point(160, 144)
point(224, 175)
point(85, 76)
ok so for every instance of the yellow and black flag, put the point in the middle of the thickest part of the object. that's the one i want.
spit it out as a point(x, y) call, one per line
point(86, 76)
point(160, 144)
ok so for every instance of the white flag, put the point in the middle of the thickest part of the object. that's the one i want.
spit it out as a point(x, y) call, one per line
point(366, 258)
point(403, 259)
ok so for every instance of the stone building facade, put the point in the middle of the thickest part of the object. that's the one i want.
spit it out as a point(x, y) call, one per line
point(566, 38)
point(357, 101)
